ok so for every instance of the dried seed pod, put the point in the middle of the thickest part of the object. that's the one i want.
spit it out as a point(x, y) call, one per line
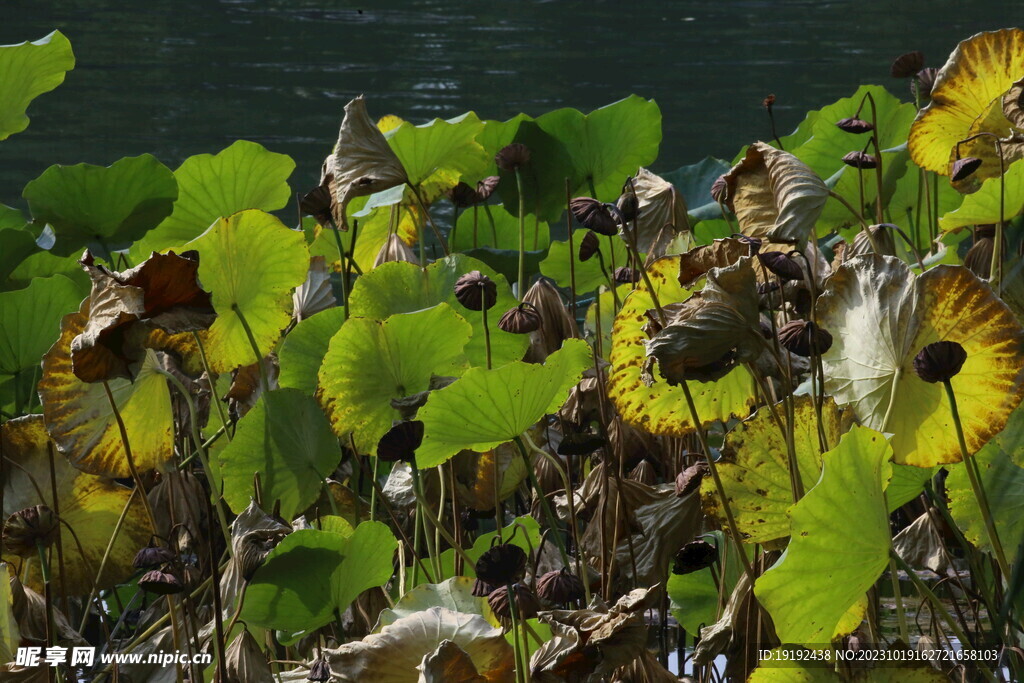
point(503, 564)
point(939, 361)
point(629, 206)
point(689, 479)
point(152, 557)
point(854, 125)
point(317, 202)
point(401, 442)
point(979, 257)
point(694, 556)
point(624, 275)
point(481, 589)
point(804, 338)
point(782, 265)
point(474, 290)
point(594, 215)
point(720, 190)
point(27, 529)
point(320, 672)
point(861, 160)
point(527, 604)
point(522, 319)
point(906, 65)
point(588, 246)
point(462, 195)
point(963, 168)
point(161, 583)
point(925, 81)
point(560, 587)
point(513, 156)
point(644, 473)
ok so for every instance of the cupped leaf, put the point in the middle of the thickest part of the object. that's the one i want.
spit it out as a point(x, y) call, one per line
point(106, 206)
point(250, 262)
point(89, 506)
point(312, 576)
point(403, 287)
point(485, 408)
point(437, 155)
point(984, 205)
point(979, 71)
point(661, 213)
point(28, 70)
point(455, 594)
point(755, 469)
point(369, 363)
point(881, 315)
point(496, 228)
point(590, 274)
point(304, 349)
point(1003, 483)
point(661, 408)
point(840, 542)
point(286, 439)
point(242, 176)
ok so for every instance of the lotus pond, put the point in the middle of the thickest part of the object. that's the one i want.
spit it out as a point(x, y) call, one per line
point(495, 402)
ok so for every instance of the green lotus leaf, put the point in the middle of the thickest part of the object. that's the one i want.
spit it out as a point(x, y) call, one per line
point(661, 408)
point(10, 635)
point(983, 205)
point(589, 275)
point(437, 155)
point(695, 595)
point(503, 233)
point(543, 178)
point(911, 215)
point(846, 183)
point(755, 469)
point(455, 594)
point(11, 218)
point(304, 349)
point(106, 206)
point(28, 70)
point(839, 542)
point(286, 439)
point(1003, 483)
point(707, 231)
point(370, 235)
point(90, 506)
point(496, 135)
point(312, 576)
point(28, 321)
point(403, 287)
point(881, 315)
point(16, 245)
point(694, 183)
point(242, 176)
point(250, 262)
point(42, 263)
point(369, 363)
point(485, 408)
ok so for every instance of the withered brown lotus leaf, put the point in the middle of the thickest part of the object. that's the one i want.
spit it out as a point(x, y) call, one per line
point(556, 323)
point(163, 292)
point(661, 213)
point(775, 195)
point(884, 239)
point(28, 608)
point(979, 257)
point(362, 162)
point(644, 473)
point(449, 663)
point(245, 661)
point(907, 64)
point(246, 387)
point(313, 295)
point(1013, 104)
point(395, 249)
point(721, 253)
point(689, 479)
point(182, 517)
point(318, 201)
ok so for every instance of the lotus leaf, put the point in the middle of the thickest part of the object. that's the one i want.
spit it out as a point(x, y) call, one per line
point(880, 315)
point(250, 262)
point(661, 408)
point(287, 440)
point(315, 294)
point(590, 274)
point(403, 287)
point(485, 408)
point(523, 532)
point(840, 542)
point(312, 576)
point(496, 135)
point(437, 155)
point(455, 594)
point(982, 207)
point(28, 70)
point(1003, 483)
point(16, 245)
point(304, 349)
point(103, 206)
point(694, 596)
point(369, 363)
point(694, 183)
point(661, 213)
point(979, 71)
point(607, 303)
point(503, 234)
point(89, 505)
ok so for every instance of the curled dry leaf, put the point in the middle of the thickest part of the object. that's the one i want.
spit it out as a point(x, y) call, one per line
point(395, 249)
point(362, 162)
point(1013, 104)
point(246, 662)
point(775, 195)
point(313, 295)
point(661, 213)
point(556, 324)
point(881, 315)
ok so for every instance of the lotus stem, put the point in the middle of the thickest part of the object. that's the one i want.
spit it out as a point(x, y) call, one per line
point(494, 228)
point(128, 455)
point(979, 492)
point(521, 279)
point(264, 382)
point(878, 152)
point(487, 332)
point(572, 249)
point(106, 556)
point(901, 615)
point(213, 384)
point(418, 488)
point(545, 506)
point(996, 267)
point(342, 258)
point(516, 647)
point(864, 226)
point(429, 220)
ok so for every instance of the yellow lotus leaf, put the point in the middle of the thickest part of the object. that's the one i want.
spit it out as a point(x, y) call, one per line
point(661, 408)
point(78, 414)
point(88, 505)
point(881, 315)
point(979, 71)
point(984, 147)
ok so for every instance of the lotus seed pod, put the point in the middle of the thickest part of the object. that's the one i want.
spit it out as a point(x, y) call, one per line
point(804, 338)
point(854, 125)
point(503, 564)
point(861, 160)
point(401, 442)
point(939, 361)
point(594, 215)
point(527, 604)
point(588, 246)
point(906, 65)
point(782, 265)
point(513, 156)
point(560, 587)
point(27, 529)
point(161, 583)
point(694, 556)
point(522, 319)
point(152, 557)
point(474, 290)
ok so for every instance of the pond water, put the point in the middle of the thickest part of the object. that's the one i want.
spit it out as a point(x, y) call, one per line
point(190, 76)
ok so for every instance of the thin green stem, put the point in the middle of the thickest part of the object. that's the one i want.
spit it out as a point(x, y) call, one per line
point(264, 382)
point(544, 504)
point(521, 280)
point(128, 456)
point(213, 384)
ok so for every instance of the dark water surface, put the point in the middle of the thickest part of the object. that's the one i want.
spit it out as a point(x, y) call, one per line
point(191, 76)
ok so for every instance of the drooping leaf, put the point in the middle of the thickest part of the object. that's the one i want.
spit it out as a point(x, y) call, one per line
point(1003, 483)
point(242, 176)
point(840, 542)
point(28, 70)
point(89, 505)
point(661, 213)
point(881, 315)
point(661, 408)
point(313, 575)
point(403, 287)
point(286, 439)
point(982, 207)
point(250, 262)
point(455, 594)
point(107, 206)
point(315, 294)
point(304, 349)
point(485, 408)
point(369, 363)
